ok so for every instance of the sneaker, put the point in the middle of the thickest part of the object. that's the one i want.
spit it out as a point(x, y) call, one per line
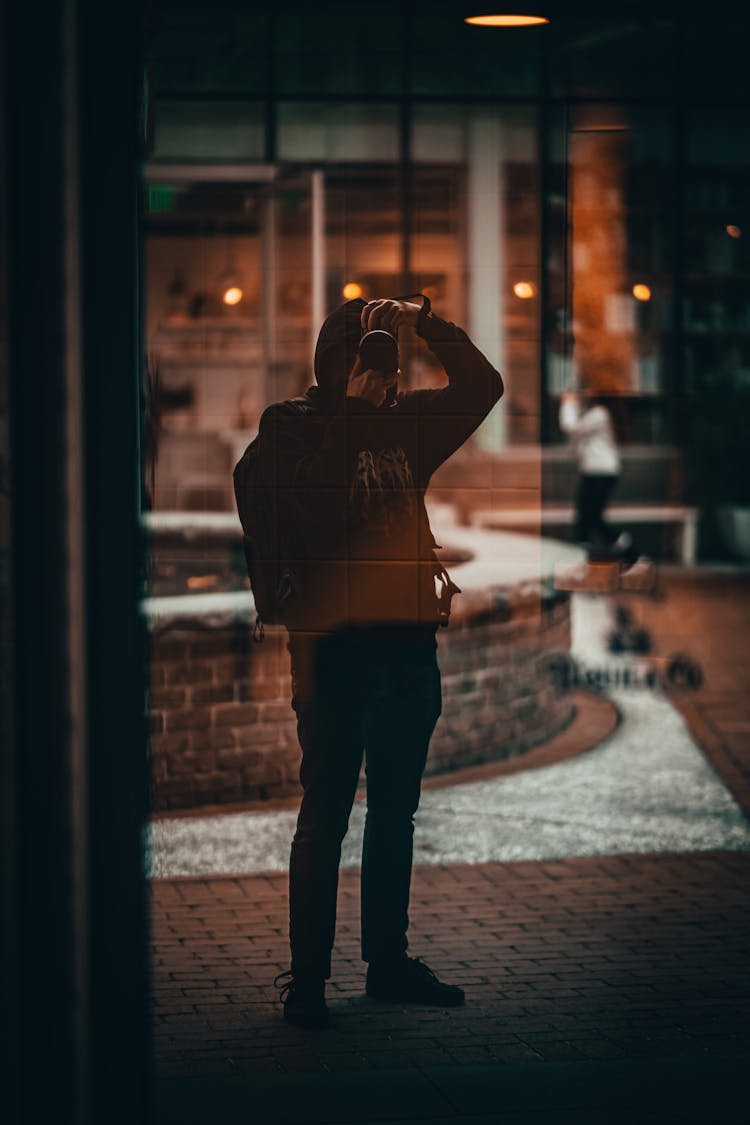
point(410, 980)
point(641, 575)
point(592, 577)
point(304, 1000)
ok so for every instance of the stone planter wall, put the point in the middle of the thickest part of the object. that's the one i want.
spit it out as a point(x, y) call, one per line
point(223, 729)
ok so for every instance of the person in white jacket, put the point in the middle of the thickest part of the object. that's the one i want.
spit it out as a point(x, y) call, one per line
point(588, 424)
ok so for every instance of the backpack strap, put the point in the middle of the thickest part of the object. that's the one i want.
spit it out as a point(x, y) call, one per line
point(447, 592)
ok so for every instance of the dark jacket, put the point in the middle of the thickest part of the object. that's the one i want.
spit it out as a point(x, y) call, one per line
point(351, 480)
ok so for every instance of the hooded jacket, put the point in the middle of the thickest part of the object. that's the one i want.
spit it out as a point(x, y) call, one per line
point(351, 478)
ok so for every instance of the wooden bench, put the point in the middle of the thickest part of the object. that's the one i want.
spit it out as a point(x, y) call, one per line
point(563, 515)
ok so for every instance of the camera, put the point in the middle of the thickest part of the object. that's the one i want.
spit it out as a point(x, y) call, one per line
point(378, 351)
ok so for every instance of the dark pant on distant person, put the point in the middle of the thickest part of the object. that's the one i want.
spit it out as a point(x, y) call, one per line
point(594, 491)
point(374, 692)
point(593, 494)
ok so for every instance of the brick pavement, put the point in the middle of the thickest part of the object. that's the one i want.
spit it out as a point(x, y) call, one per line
point(707, 615)
point(590, 966)
point(596, 958)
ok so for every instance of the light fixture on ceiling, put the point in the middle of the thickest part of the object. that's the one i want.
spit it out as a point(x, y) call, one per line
point(641, 292)
point(516, 17)
point(733, 230)
point(351, 291)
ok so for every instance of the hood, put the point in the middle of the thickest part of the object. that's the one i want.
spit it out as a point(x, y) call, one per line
point(337, 343)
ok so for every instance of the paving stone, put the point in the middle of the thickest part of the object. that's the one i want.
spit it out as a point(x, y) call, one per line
point(702, 1006)
point(612, 959)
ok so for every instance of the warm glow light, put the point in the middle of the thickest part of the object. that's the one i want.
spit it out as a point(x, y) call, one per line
point(641, 292)
point(202, 581)
point(233, 295)
point(506, 21)
point(524, 290)
point(351, 291)
point(733, 231)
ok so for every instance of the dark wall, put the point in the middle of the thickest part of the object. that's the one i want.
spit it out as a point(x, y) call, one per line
point(74, 758)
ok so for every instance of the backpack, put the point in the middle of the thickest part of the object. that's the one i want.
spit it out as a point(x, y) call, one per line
point(256, 492)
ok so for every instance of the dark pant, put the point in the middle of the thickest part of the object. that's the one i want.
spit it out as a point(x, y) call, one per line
point(375, 692)
point(594, 492)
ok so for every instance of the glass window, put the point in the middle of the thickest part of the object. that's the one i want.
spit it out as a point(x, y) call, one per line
point(612, 57)
point(200, 130)
point(331, 133)
point(439, 134)
point(338, 49)
point(716, 319)
point(363, 211)
point(613, 335)
point(227, 324)
point(449, 57)
point(475, 235)
point(209, 51)
point(717, 250)
point(715, 52)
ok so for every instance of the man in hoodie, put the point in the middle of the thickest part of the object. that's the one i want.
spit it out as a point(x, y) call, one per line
point(352, 461)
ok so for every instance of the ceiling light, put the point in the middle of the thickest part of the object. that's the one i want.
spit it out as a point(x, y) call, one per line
point(641, 292)
point(351, 291)
point(733, 231)
point(508, 19)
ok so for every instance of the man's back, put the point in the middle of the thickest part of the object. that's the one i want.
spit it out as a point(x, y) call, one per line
point(351, 479)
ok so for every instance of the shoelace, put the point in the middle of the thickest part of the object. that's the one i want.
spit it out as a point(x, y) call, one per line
point(423, 969)
point(287, 986)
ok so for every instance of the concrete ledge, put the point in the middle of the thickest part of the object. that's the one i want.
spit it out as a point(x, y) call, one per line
point(594, 719)
point(222, 727)
point(564, 515)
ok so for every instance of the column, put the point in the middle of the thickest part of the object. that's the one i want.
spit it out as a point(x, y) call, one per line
point(485, 206)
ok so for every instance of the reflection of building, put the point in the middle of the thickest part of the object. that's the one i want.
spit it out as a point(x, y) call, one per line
point(582, 228)
point(406, 118)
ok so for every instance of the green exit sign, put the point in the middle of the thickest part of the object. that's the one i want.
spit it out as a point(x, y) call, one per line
point(161, 197)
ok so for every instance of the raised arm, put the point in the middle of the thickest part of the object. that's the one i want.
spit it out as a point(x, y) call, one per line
point(448, 415)
point(474, 386)
point(574, 423)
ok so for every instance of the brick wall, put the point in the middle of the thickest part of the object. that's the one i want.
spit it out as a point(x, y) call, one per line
point(499, 697)
point(223, 729)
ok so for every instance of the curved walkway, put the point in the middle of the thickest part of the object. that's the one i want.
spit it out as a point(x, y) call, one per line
point(647, 789)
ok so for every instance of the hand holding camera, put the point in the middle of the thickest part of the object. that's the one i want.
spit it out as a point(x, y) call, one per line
point(388, 315)
point(374, 376)
point(374, 384)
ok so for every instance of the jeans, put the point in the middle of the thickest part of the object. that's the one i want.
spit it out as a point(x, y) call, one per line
point(594, 492)
point(374, 692)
